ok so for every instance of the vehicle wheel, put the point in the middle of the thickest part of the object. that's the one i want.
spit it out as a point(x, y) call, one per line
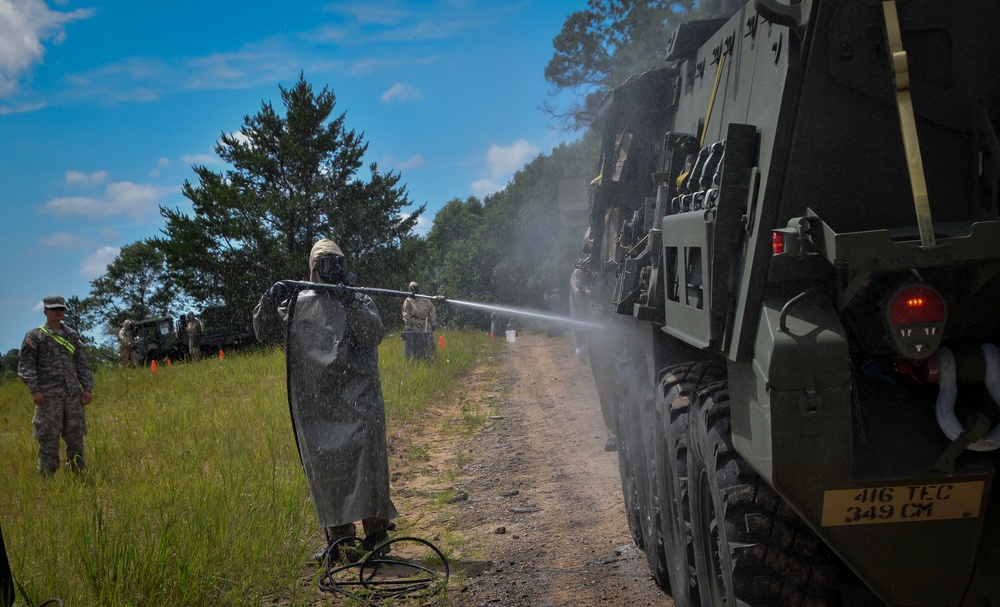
point(750, 547)
point(673, 397)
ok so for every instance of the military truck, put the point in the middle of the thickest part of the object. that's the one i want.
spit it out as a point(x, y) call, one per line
point(220, 331)
point(794, 224)
point(155, 339)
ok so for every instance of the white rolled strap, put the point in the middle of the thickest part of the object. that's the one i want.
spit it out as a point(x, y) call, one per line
point(948, 385)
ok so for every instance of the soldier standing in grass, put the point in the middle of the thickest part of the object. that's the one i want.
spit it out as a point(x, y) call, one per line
point(419, 313)
point(193, 329)
point(335, 395)
point(54, 367)
point(126, 346)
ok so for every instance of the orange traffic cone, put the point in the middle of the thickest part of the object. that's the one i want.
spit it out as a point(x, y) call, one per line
point(170, 363)
point(441, 341)
point(221, 354)
point(152, 366)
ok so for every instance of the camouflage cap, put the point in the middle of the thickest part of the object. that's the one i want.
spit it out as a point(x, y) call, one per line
point(54, 302)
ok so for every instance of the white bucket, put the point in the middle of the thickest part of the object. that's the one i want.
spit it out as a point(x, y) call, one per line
point(511, 335)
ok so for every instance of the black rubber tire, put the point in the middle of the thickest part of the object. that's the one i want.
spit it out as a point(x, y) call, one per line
point(673, 397)
point(637, 447)
point(751, 549)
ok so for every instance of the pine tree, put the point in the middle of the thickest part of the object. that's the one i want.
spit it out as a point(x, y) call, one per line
point(293, 180)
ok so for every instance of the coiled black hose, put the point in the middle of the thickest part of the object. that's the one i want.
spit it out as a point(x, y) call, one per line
point(423, 579)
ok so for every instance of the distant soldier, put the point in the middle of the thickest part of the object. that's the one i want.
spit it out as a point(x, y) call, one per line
point(54, 367)
point(193, 329)
point(558, 304)
point(127, 353)
point(419, 313)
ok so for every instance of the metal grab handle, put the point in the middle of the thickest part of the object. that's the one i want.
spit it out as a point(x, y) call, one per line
point(789, 15)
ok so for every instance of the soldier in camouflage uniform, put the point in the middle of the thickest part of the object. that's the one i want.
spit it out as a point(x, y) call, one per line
point(127, 353)
point(54, 367)
point(193, 329)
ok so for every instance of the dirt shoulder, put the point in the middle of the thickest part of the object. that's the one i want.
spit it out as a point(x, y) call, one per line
point(543, 522)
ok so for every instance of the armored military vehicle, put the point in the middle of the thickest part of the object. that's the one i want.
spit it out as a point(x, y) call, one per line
point(795, 226)
point(155, 339)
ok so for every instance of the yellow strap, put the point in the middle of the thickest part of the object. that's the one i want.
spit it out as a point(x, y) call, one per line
point(907, 121)
point(708, 114)
point(711, 101)
point(62, 341)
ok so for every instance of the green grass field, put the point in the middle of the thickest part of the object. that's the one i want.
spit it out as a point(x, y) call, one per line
point(195, 494)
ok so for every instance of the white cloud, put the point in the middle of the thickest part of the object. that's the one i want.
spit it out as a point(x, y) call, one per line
point(80, 179)
point(122, 198)
point(66, 241)
point(501, 163)
point(200, 159)
point(163, 162)
point(413, 162)
point(424, 225)
point(366, 22)
point(25, 25)
point(367, 12)
point(96, 264)
point(506, 160)
point(402, 92)
point(482, 187)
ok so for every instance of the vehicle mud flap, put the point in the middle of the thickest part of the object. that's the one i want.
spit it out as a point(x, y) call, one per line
point(751, 548)
point(673, 398)
point(631, 457)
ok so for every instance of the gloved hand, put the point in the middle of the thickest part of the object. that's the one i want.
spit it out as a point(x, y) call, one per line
point(278, 291)
point(345, 295)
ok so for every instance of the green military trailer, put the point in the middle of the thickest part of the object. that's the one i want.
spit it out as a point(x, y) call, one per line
point(795, 227)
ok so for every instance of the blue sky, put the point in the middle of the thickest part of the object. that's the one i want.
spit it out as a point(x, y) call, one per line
point(105, 105)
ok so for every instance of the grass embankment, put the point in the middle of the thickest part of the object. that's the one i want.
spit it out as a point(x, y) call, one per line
point(195, 494)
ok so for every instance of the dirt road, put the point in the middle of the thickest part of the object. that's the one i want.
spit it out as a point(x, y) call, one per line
point(544, 499)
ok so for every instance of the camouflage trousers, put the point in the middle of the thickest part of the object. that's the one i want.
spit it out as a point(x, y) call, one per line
point(126, 355)
point(194, 348)
point(61, 416)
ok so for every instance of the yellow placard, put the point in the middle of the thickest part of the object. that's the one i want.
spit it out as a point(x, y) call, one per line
point(902, 503)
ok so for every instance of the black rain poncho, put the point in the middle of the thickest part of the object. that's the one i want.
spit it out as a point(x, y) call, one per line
point(335, 396)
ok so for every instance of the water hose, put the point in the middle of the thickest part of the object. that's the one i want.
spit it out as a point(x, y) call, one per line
point(409, 578)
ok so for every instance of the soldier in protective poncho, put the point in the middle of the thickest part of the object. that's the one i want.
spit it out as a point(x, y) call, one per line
point(419, 314)
point(335, 395)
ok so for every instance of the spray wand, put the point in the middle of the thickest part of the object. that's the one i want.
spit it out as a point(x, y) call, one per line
point(340, 288)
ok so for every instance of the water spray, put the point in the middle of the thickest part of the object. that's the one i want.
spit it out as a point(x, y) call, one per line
point(373, 291)
point(529, 313)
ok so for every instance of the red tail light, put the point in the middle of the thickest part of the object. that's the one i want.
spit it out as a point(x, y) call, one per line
point(786, 241)
point(915, 319)
point(916, 305)
point(777, 242)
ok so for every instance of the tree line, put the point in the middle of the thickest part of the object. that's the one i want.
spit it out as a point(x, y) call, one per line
point(297, 175)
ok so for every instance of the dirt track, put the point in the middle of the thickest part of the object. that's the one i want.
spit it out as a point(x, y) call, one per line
point(565, 540)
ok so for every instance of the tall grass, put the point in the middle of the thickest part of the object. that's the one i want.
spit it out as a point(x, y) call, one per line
point(194, 494)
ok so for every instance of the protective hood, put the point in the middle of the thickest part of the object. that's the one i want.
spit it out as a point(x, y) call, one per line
point(323, 246)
